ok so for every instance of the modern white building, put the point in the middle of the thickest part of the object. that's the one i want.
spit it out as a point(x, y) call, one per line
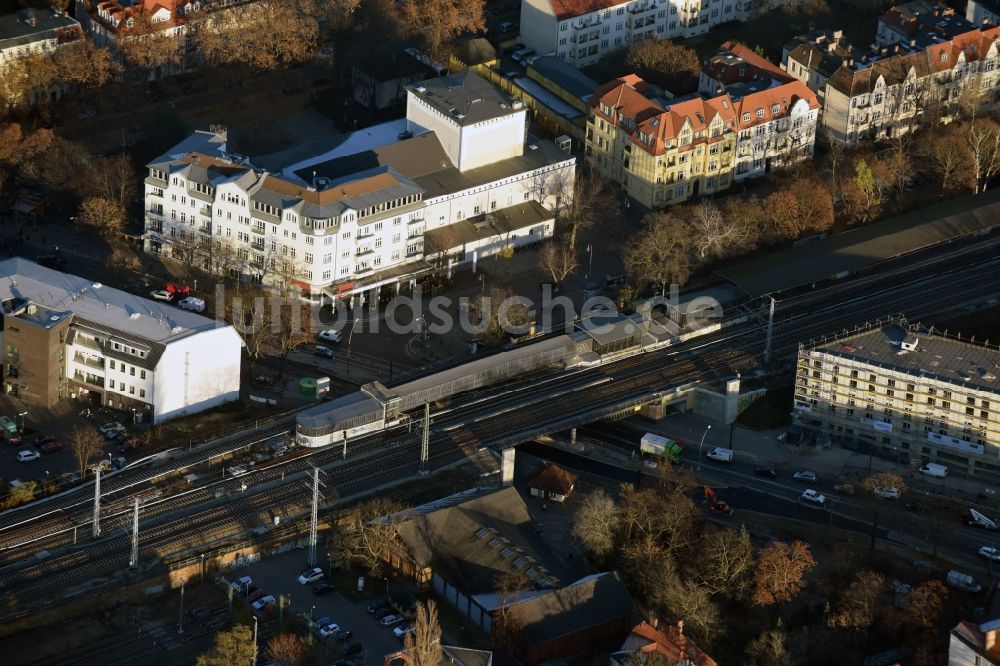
point(582, 31)
point(456, 180)
point(67, 337)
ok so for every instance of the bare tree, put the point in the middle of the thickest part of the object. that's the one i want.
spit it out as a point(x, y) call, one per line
point(983, 140)
point(693, 603)
point(370, 538)
point(85, 444)
point(664, 62)
point(949, 156)
point(145, 46)
point(596, 523)
point(286, 650)
point(881, 482)
point(506, 626)
point(497, 315)
point(780, 573)
point(293, 331)
point(770, 648)
point(437, 22)
point(715, 236)
point(263, 35)
point(727, 567)
point(593, 201)
point(557, 259)
point(249, 311)
point(422, 646)
point(661, 252)
point(859, 603)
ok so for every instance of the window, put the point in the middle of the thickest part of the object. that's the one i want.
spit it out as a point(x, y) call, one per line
point(760, 113)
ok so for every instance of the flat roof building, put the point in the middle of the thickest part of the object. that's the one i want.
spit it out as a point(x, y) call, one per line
point(907, 393)
point(65, 336)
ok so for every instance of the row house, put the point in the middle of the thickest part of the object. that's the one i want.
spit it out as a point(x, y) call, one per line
point(919, 23)
point(357, 217)
point(814, 57)
point(776, 114)
point(890, 93)
point(29, 32)
point(581, 32)
point(661, 152)
point(108, 22)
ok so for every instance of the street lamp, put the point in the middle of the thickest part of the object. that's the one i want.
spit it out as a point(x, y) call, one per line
point(701, 444)
point(21, 416)
point(386, 587)
point(311, 611)
point(590, 266)
point(180, 617)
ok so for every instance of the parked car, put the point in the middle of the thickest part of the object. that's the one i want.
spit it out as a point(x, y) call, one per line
point(191, 303)
point(382, 612)
point(768, 472)
point(810, 495)
point(254, 595)
point(114, 426)
point(325, 352)
point(323, 588)
point(506, 26)
point(161, 295)
point(264, 601)
point(15, 438)
point(51, 447)
point(119, 462)
point(402, 630)
point(328, 629)
point(322, 622)
point(342, 636)
point(989, 553)
point(353, 648)
point(887, 493)
point(310, 576)
point(330, 335)
point(391, 619)
point(805, 475)
point(242, 584)
point(28, 456)
point(8, 425)
point(43, 440)
point(377, 605)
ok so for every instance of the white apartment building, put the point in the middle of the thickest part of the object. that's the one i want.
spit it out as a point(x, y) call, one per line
point(353, 218)
point(29, 31)
point(906, 393)
point(582, 31)
point(889, 93)
point(64, 336)
point(776, 114)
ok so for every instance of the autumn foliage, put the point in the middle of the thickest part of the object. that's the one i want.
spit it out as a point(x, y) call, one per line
point(780, 573)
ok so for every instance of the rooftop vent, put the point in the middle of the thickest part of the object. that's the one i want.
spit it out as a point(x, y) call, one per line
point(134, 315)
point(97, 285)
point(421, 89)
point(176, 329)
point(909, 343)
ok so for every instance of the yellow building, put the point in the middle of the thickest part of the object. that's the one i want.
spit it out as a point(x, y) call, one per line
point(660, 152)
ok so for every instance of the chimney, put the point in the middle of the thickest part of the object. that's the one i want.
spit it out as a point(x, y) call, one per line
point(913, 42)
point(680, 627)
point(838, 34)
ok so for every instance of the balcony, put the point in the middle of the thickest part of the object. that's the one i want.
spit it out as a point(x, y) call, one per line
point(155, 226)
point(362, 251)
point(155, 211)
point(92, 361)
point(259, 228)
point(206, 229)
point(88, 378)
point(205, 211)
point(155, 192)
point(257, 245)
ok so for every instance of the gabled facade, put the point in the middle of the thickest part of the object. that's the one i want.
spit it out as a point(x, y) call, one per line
point(890, 93)
point(814, 57)
point(582, 31)
point(661, 153)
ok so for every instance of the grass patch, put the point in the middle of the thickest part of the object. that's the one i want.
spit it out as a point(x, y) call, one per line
point(770, 411)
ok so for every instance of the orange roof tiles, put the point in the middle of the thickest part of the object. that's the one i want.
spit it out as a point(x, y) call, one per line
point(566, 9)
point(672, 644)
point(330, 195)
point(975, 44)
point(783, 96)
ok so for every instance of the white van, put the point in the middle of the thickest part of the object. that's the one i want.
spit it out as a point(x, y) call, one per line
point(719, 454)
point(193, 304)
point(933, 469)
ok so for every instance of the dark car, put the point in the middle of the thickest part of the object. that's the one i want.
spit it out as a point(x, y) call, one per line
point(769, 472)
point(353, 648)
point(53, 261)
point(325, 352)
point(51, 446)
point(378, 605)
point(42, 440)
point(341, 635)
point(384, 612)
point(323, 588)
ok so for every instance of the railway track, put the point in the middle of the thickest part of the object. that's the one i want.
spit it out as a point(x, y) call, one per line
point(501, 415)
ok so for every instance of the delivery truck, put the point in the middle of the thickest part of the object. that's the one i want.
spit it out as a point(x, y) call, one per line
point(655, 446)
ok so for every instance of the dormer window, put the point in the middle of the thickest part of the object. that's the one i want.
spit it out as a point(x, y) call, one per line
point(774, 109)
point(746, 117)
point(760, 113)
point(944, 56)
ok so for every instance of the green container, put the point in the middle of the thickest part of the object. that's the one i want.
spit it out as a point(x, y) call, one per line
point(307, 387)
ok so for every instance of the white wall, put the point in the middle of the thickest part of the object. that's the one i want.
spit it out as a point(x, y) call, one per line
point(197, 372)
point(492, 141)
point(539, 28)
point(422, 117)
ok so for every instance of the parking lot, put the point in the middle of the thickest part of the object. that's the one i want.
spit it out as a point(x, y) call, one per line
point(277, 575)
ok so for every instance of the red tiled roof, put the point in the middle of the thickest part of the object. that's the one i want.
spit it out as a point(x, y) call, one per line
point(566, 9)
point(975, 44)
point(784, 96)
point(554, 479)
point(672, 644)
point(759, 62)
